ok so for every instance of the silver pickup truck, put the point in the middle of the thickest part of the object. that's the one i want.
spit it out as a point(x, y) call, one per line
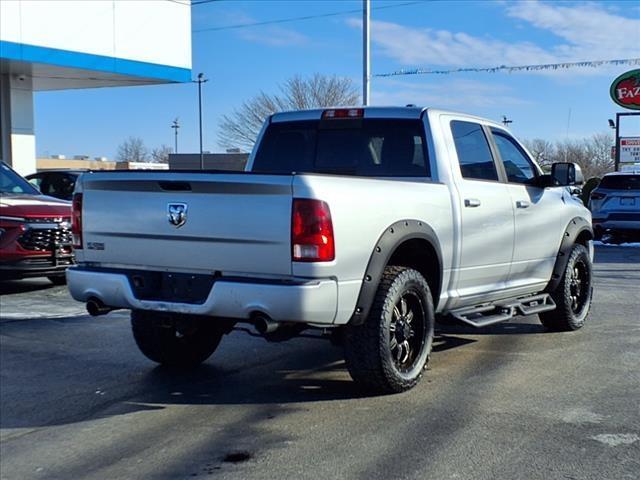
point(364, 223)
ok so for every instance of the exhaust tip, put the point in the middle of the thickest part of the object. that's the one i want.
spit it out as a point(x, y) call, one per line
point(95, 307)
point(264, 324)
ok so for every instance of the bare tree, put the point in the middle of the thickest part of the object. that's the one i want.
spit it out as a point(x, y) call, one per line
point(161, 154)
point(542, 150)
point(132, 150)
point(599, 150)
point(571, 151)
point(241, 127)
point(593, 154)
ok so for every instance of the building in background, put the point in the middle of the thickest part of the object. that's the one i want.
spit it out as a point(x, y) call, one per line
point(45, 164)
point(59, 45)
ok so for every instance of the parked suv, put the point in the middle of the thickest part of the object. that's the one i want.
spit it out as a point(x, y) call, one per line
point(35, 235)
point(615, 207)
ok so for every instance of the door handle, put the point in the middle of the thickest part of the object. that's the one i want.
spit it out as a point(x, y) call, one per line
point(471, 202)
point(522, 204)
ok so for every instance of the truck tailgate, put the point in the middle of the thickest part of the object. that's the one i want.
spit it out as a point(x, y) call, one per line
point(238, 223)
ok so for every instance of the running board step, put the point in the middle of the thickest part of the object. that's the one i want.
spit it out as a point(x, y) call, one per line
point(488, 314)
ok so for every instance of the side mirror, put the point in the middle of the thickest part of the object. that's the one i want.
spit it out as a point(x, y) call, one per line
point(566, 174)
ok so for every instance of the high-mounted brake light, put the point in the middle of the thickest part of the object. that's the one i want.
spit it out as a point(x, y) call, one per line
point(597, 196)
point(343, 113)
point(311, 231)
point(76, 220)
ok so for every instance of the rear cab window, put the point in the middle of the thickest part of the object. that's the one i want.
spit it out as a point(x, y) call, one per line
point(360, 147)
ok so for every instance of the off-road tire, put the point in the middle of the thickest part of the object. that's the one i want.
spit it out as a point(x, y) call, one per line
point(58, 279)
point(367, 347)
point(566, 317)
point(173, 339)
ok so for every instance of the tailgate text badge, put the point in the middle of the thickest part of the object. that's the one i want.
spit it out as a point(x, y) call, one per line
point(177, 214)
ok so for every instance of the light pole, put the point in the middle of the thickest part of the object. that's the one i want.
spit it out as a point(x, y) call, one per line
point(619, 116)
point(616, 158)
point(366, 52)
point(175, 127)
point(200, 81)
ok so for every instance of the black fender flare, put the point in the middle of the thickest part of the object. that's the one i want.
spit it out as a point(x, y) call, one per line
point(576, 227)
point(394, 236)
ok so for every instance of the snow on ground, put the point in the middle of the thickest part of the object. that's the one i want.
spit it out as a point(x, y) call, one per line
point(632, 245)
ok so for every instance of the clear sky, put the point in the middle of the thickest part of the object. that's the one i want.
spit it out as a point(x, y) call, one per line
point(240, 62)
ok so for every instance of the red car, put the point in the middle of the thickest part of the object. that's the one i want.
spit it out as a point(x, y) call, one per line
point(35, 231)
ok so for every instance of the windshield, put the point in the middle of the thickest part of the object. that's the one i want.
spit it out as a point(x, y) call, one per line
point(621, 182)
point(364, 147)
point(11, 182)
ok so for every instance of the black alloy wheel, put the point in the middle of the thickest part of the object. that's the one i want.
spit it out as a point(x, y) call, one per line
point(573, 294)
point(578, 286)
point(388, 353)
point(407, 331)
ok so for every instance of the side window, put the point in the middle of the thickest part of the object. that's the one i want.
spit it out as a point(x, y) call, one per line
point(518, 167)
point(45, 184)
point(61, 186)
point(474, 154)
point(36, 181)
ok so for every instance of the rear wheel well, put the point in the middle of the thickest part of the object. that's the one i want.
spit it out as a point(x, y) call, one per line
point(420, 255)
point(407, 243)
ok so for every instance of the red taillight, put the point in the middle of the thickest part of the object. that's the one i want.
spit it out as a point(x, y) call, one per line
point(597, 196)
point(311, 231)
point(76, 220)
point(343, 113)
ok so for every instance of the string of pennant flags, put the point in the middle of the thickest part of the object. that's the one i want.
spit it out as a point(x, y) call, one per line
point(512, 68)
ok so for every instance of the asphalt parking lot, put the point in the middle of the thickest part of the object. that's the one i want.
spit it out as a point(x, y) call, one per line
point(77, 400)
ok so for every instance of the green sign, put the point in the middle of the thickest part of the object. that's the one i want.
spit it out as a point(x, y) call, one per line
point(625, 90)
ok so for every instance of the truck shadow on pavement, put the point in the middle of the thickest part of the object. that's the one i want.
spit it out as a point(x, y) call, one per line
point(315, 372)
point(319, 376)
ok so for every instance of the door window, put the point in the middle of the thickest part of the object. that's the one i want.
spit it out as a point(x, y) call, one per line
point(58, 185)
point(518, 167)
point(36, 181)
point(474, 154)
